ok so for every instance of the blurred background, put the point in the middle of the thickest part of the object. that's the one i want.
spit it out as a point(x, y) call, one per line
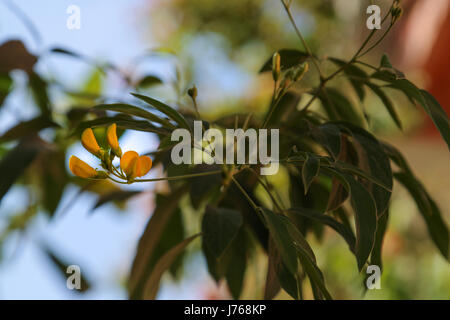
point(163, 47)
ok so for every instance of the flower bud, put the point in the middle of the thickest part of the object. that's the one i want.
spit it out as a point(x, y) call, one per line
point(90, 143)
point(83, 170)
point(301, 71)
point(111, 136)
point(192, 92)
point(276, 66)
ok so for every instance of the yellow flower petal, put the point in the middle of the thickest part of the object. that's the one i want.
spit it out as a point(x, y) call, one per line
point(145, 164)
point(111, 136)
point(134, 165)
point(80, 168)
point(89, 142)
point(129, 163)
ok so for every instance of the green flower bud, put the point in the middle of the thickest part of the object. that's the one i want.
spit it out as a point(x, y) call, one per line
point(276, 66)
point(192, 92)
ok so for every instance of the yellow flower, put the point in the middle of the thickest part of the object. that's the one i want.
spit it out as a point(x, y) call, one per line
point(81, 169)
point(134, 165)
point(90, 143)
point(111, 136)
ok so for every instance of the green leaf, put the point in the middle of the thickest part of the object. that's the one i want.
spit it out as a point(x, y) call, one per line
point(343, 230)
point(168, 111)
point(428, 102)
point(134, 111)
point(152, 284)
point(114, 196)
point(373, 159)
point(436, 225)
point(14, 163)
point(237, 263)
point(338, 107)
point(203, 186)
point(26, 128)
point(6, 84)
point(148, 81)
point(39, 90)
point(385, 63)
point(289, 59)
point(62, 266)
point(14, 55)
point(329, 136)
point(356, 76)
point(437, 114)
point(156, 226)
point(272, 286)
point(310, 170)
point(387, 103)
point(292, 246)
point(122, 123)
point(365, 215)
point(219, 227)
point(174, 233)
point(376, 256)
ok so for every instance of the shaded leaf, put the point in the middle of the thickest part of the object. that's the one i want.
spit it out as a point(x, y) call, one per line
point(142, 264)
point(376, 256)
point(436, 225)
point(373, 159)
point(387, 103)
point(292, 246)
point(152, 284)
point(219, 227)
point(26, 128)
point(134, 111)
point(116, 195)
point(14, 55)
point(437, 114)
point(6, 84)
point(168, 111)
point(356, 76)
point(310, 170)
point(365, 215)
point(148, 81)
point(122, 123)
point(343, 230)
point(14, 163)
point(289, 59)
point(338, 107)
point(62, 267)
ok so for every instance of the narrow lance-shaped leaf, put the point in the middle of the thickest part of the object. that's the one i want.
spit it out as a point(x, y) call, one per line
point(134, 111)
point(343, 230)
point(365, 215)
point(292, 246)
point(310, 170)
point(164, 108)
point(436, 225)
point(387, 103)
point(219, 227)
point(152, 284)
point(149, 240)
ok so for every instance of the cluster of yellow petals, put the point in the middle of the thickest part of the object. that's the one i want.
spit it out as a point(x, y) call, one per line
point(131, 164)
point(134, 165)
